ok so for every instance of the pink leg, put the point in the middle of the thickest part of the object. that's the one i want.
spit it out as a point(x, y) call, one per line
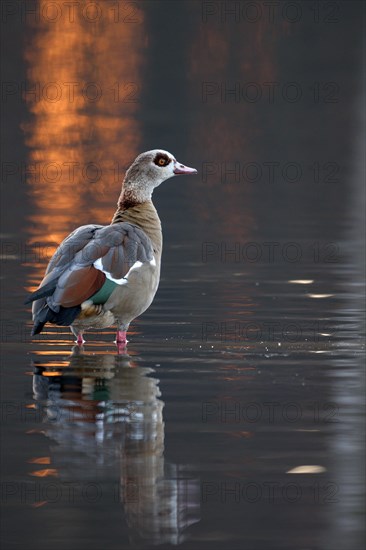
point(80, 340)
point(121, 342)
point(121, 338)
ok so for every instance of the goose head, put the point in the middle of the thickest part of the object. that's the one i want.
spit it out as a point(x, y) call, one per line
point(148, 171)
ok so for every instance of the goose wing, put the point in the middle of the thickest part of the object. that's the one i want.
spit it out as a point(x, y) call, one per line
point(80, 266)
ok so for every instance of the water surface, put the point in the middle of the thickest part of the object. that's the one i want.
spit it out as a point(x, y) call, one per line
point(236, 418)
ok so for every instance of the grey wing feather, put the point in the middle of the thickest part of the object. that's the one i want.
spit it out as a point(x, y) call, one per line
point(69, 247)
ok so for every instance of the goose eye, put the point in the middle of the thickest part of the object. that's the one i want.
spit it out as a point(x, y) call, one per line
point(162, 160)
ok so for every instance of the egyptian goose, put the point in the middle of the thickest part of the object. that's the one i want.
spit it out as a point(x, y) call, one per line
point(108, 275)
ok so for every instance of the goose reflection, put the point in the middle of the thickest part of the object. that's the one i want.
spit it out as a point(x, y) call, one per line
point(105, 413)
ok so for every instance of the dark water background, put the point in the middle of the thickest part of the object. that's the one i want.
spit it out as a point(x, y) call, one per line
point(250, 362)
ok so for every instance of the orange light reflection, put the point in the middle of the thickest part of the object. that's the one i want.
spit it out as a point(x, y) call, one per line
point(40, 460)
point(48, 472)
point(78, 145)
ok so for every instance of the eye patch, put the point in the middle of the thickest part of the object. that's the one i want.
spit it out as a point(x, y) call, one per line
point(162, 160)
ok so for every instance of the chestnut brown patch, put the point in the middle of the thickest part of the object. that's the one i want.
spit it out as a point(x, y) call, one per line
point(127, 201)
point(161, 159)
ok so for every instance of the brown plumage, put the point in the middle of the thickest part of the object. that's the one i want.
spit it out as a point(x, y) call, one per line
point(105, 275)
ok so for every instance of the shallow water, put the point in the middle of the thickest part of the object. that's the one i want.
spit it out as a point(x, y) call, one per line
point(236, 417)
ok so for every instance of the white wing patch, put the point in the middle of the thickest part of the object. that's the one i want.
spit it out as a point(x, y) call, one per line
point(98, 265)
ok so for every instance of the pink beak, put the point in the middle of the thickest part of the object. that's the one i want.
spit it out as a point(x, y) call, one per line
point(181, 169)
